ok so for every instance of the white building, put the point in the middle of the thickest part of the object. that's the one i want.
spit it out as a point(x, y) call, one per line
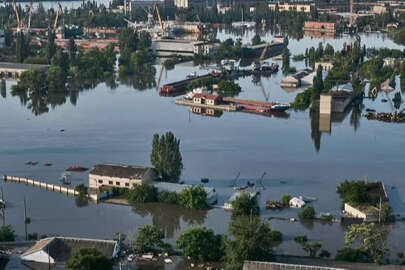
point(121, 176)
point(181, 3)
point(58, 250)
point(296, 202)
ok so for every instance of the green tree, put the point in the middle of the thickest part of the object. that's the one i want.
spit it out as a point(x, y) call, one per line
point(32, 80)
point(166, 156)
point(88, 259)
point(286, 59)
point(370, 238)
point(22, 49)
point(50, 49)
point(72, 50)
point(307, 213)
point(194, 198)
point(286, 199)
point(245, 205)
point(354, 192)
point(251, 240)
point(143, 193)
point(317, 86)
point(55, 78)
point(228, 88)
point(201, 244)
point(6, 234)
point(352, 255)
point(149, 239)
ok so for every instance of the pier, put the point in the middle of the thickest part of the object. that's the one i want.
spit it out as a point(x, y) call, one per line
point(43, 185)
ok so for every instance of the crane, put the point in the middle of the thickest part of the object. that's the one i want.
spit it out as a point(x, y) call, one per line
point(17, 15)
point(236, 179)
point(159, 18)
point(58, 14)
point(29, 16)
point(259, 182)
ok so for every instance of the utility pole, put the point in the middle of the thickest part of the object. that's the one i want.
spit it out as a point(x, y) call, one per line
point(25, 219)
point(379, 212)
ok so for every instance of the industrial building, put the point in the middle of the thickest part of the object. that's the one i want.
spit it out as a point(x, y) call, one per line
point(122, 176)
point(171, 47)
point(58, 250)
point(14, 70)
point(323, 27)
point(256, 265)
point(297, 7)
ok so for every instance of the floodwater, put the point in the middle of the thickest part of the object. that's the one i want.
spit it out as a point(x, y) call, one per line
point(116, 126)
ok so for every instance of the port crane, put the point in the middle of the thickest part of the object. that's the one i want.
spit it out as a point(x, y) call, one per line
point(259, 182)
point(235, 180)
point(58, 14)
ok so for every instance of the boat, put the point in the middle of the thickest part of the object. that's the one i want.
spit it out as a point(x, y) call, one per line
point(204, 180)
point(192, 75)
point(65, 178)
point(76, 169)
point(238, 188)
point(266, 67)
point(280, 107)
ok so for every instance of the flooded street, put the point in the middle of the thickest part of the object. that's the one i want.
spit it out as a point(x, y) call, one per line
point(116, 126)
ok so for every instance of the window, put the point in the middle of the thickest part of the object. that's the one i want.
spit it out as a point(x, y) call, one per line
point(127, 184)
point(110, 183)
point(117, 183)
point(100, 181)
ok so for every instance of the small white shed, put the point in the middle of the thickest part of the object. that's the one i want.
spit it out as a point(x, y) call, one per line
point(296, 202)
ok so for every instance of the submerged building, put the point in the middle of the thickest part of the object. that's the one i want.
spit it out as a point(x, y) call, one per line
point(58, 250)
point(121, 176)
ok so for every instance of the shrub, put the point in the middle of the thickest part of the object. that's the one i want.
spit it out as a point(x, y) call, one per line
point(286, 199)
point(307, 213)
point(142, 193)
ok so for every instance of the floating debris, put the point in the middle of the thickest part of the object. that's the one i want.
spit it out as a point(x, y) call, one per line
point(370, 110)
point(205, 180)
point(48, 164)
point(31, 163)
point(62, 130)
point(387, 117)
point(76, 169)
point(275, 205)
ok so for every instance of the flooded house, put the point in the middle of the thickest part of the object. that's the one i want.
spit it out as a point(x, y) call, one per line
point(122, 176)
point(58, 250)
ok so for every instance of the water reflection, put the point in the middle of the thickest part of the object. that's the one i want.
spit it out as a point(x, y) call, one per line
point(40, 102)
point(206, 112)
point(168, 217)
point(140, 81)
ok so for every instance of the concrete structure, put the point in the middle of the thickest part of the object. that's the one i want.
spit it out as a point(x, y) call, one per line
point(296, 7)
point(326, 65)
point(336, 100)
point(170, 47)
point(132, 5)
point(323, 27)
point(295, 80)
point(255, 265)
point(14, 70)
point(296, 202)
point(121, 176)
point(178, 188)
point(364, 213)
point(379, 9)
point(57, 250)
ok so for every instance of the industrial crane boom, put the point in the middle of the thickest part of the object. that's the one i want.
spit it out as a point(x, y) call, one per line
point(17, 15)
point(159, 18)
point(58, 13)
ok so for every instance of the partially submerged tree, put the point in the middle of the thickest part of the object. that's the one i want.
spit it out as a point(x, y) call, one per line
point(245, 205)
point(370, 238)
point(166, 156)
point(88, 259)
point(201, 244)
point(150, 238)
